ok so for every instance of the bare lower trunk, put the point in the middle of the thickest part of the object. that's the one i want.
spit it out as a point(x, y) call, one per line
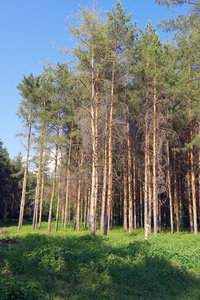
point(66, 220)
point(154, 161)
point(42, 187)
point(54, 179)
point(169, 190)
point(193, 185)
point(189, 193)
point(199, 176)
point(125, 191)
point(103, 208)
point(141, 199)
point(134, 194)
point(110, 146)
point(176, 208)
point(59, 184)
point(79, 195)
point(25, 179)
point(130, 180)
point(146, 181)
point(180, 193)
point(85, 207)
point(37, 192)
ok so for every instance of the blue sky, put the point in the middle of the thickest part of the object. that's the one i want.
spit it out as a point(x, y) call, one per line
point(28, 29)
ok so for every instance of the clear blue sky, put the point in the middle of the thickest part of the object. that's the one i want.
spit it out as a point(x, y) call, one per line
point(27, 30)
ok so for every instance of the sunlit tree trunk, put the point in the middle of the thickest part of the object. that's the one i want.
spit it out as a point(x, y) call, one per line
point(25, 177)
point(134, 193)
point(42, 187)
point(130, 180)
point(79, 194)
point(125, 191)
point(60, 181)
point(103, 207)
point(169, 189)
point(141, 198)
point(180, 192)
point(110, 145)
point(176, 208)
point(37, 192)
point(193, 184)
point(154, 158)
point(199, 174)
point(54, 176)
point(189, 193)
point(94, 186)
point(68, 183)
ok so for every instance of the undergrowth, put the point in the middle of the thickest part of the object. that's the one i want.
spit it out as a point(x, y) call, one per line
point(70, 265)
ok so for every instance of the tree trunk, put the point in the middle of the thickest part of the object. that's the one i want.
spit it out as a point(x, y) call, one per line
point(110, 145)
point(25, 178)
point(54, 177)
point(103, 208)
point(79, 194)
point(169, 189)
point(154, 160)
point(42, 187)
point(125, 191)
point(176, 208)
point(134, 192)
point(141, 199)
point(85, 207)
point(189, 193)
point(180, 192)
point(66, 220)
point(193, 184)
point(37, 192)
point(130, 180)
point(94, 186)
point(198, 209)
point(59, 184)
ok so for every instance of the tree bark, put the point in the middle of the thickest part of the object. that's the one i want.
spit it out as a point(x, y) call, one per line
point(125, 191)
point(103, 208)
point(154, 159)
point(59, 184)
point(189, 192)
point(176, 208)
point(54, 177)
point(130, 180)
point(169, 189)
point(25, 177)
point(79, 194)
point(110, 145)
point(37, 192)
point(68, 183)
point(193, 184)
point(42, 187)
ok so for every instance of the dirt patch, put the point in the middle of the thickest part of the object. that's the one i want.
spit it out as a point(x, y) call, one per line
point(4, 231)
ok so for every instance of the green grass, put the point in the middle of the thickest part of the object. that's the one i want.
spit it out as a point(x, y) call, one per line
point(70, 265)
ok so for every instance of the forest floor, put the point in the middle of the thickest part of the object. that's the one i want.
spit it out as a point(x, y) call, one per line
point(70, 265)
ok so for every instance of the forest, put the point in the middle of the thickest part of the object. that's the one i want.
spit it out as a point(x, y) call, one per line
point(106, 202)
point(115, 132)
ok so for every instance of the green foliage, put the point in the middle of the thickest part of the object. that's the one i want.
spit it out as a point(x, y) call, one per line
point(71, 265)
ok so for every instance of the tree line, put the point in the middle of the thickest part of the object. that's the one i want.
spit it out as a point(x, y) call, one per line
point(121, 124)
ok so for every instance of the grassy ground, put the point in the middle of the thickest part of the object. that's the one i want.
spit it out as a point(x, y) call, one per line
point(70, 265)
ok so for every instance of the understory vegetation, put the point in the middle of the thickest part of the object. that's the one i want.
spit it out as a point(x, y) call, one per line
point(71, 265)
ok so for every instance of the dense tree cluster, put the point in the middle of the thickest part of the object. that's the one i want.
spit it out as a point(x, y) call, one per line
point(122, 126)
point(11, 177)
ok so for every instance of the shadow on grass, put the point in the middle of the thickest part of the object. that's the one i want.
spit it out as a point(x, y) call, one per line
point(44, 266)
point(14, 222)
